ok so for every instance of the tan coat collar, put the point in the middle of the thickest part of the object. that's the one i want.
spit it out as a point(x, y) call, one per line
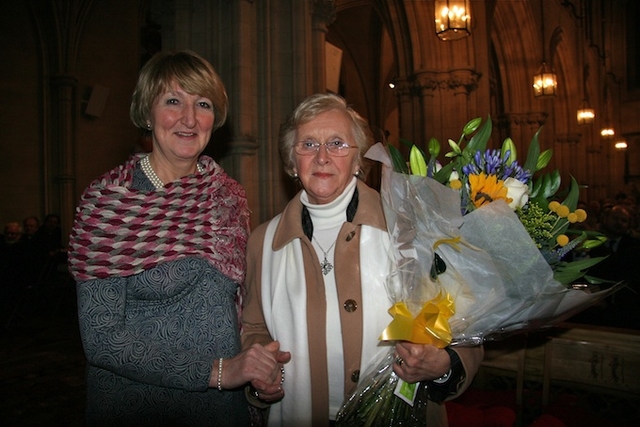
point(290, 226)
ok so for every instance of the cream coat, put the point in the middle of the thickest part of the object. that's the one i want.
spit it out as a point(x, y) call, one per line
point(348, 280)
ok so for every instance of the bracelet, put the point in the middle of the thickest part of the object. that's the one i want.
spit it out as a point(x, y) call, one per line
point(220, 374)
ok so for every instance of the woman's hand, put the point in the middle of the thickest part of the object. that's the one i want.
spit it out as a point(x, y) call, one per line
point(420, 362)
point(259, 365)
point(273, 391)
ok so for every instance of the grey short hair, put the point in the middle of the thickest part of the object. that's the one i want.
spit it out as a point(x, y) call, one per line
point(308, 110)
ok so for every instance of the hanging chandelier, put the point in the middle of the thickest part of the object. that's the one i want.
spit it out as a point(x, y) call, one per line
point(607, 132)
point(545, 81)
point(453, 19)
point(621, 145)
point(585, 114)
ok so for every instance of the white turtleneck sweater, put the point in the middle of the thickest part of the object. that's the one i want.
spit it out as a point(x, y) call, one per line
point(327, 220)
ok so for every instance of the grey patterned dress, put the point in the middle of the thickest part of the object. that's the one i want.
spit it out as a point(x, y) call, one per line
point(151, 341)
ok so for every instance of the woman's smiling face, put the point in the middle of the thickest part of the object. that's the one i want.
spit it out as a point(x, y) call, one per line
point(182, 124)
point(325, 176)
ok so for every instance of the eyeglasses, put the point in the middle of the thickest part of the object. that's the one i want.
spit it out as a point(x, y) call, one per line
point(334, 148)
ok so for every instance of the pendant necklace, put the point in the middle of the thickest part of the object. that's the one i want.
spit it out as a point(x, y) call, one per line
point(325, 265)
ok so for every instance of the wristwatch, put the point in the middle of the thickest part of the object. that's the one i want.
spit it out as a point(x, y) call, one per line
point(448, 384)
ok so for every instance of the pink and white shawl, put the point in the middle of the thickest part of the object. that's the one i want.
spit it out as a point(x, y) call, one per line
point(119, 231)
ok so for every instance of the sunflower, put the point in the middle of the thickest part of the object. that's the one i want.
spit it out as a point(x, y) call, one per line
point(485, 189)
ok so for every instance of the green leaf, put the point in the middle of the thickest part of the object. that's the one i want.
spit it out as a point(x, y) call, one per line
point(533, 153)
point(509, 146)
point(543, 159)
point(417, 162)
point(534, 189)
point(550, 184)
point(442, 176)
point(479, 141)
point(597, 280)
point(582, 264)
point(399, 164)
point(434, 147)
point(572, 197)
point(594, 243)
point(567, 272)
point(545, 186)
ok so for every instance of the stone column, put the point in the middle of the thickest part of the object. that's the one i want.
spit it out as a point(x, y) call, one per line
point(444, 101)
point(405, 93)
point(323, 15)
point(61, 155)
point(58, 40)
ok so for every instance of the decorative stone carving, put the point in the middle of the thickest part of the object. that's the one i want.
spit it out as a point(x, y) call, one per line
point(324, 10)
point(460, 81)
point(532, 118)
point(404, 88)
point(568, 138)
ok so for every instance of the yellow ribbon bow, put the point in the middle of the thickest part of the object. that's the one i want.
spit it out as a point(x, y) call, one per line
point(430, 326)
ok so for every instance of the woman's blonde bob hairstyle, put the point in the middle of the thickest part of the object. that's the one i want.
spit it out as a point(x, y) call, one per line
point(308, 110)
point(190, 71)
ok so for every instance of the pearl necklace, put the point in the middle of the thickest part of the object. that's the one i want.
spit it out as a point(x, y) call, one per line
point(325, 265)
point(151, 174)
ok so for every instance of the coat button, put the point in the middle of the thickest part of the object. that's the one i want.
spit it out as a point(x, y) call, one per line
point(355, 376)
point(350, 306)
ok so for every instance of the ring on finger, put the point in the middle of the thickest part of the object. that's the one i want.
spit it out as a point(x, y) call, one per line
point(399, 360)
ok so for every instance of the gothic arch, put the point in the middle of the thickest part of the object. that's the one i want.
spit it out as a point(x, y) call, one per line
point(516, 42)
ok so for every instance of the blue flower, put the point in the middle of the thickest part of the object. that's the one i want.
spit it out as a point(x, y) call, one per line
point(491, 163)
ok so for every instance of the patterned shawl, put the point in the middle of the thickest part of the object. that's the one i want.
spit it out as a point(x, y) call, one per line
point(119, 231)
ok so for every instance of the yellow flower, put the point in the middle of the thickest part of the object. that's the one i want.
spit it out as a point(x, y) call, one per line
point(562, 240)
point(456, 184)
point(581, 214)
point(562, 211)
point(572, 218)
point(553, 206)
point(485, 189)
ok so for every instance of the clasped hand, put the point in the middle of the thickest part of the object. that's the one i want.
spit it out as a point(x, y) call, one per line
point(258, 365)
point(420, 362)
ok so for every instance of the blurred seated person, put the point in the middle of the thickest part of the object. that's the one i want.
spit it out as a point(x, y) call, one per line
point(10, 261)
point(12, 234)
point(30, 225)
point(622, 263)
point(10, 249)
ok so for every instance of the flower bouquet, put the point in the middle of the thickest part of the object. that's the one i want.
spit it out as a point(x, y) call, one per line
point(480, 252)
